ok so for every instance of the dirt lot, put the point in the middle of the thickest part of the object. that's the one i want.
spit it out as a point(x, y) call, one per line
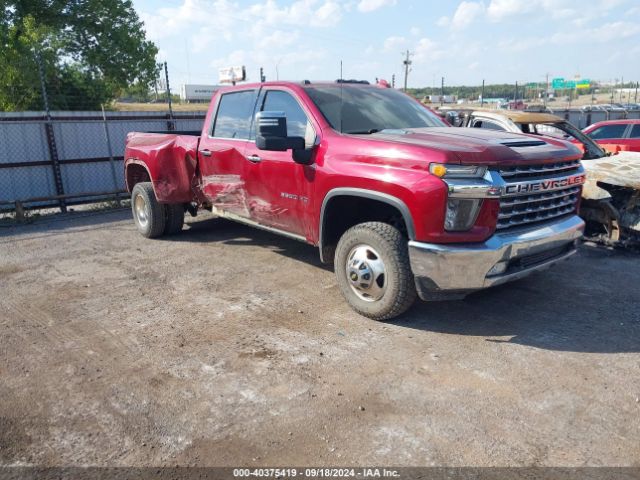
point(231, 346)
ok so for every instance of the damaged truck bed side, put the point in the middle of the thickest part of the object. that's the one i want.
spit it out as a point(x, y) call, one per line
point(400, 203)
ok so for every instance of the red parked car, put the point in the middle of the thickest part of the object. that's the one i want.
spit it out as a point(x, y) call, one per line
point(616, 135)
point(402, 205)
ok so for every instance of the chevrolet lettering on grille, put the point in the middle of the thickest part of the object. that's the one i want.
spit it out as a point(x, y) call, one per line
point(544, 185)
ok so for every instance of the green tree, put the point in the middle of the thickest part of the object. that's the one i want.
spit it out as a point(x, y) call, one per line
point(90, 51)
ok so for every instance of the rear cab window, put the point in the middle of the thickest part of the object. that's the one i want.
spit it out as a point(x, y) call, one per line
point(234, 116)
point(635, 131)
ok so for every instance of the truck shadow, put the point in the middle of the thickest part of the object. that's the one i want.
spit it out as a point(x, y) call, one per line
point(220, 230)
point(586, 304)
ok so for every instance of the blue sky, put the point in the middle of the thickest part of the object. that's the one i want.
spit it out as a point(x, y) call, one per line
point(501, 41)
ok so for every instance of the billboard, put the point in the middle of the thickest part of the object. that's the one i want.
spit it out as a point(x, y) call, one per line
point(232, 74)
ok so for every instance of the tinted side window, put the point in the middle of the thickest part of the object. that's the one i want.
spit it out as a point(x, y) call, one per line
point(280, 101)
point(235, 112)
point(608, 131)
point(635, 131)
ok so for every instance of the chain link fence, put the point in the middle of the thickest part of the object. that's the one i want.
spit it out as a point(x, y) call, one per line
point(71, 158)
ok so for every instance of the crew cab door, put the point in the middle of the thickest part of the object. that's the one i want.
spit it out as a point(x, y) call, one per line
point(279, 189)
point(221, 153)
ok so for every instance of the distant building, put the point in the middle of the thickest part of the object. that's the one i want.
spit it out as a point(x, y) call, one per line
point(197, 93)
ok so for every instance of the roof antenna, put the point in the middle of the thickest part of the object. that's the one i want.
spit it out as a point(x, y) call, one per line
point(341, 98)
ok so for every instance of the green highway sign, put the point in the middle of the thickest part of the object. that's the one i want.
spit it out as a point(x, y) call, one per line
point(557, 83)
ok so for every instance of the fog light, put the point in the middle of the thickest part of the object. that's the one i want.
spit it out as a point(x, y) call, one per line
point(498, 269)
point(461, 213)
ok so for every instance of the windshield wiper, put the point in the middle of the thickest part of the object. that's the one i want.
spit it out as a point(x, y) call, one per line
point(363, 132)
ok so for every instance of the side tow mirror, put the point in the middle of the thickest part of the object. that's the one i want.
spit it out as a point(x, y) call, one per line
point(272, 133)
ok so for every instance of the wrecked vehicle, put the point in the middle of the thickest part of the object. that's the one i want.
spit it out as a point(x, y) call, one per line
point(611, 196)
point(400, 203)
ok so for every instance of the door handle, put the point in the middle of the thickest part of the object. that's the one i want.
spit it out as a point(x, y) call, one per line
point(205, 153)
point(254, 158)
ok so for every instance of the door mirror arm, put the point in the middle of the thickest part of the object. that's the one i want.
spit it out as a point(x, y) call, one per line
point(303, 156)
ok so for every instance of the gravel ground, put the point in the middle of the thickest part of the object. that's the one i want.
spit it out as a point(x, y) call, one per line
point(227, 345)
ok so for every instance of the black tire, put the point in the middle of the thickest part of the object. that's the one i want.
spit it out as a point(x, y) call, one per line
point(399, 284)
point(148, 214)
point(174, 218)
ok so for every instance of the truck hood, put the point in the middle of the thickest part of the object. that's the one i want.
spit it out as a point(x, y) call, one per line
point(486, 147)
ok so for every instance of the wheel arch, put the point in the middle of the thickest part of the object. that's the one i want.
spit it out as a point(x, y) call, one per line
point(136, 171)
point(326, 237)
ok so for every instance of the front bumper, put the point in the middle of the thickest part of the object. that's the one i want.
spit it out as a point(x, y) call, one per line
point(462, 268)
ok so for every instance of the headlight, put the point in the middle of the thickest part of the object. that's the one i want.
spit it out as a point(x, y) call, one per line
point(461, 214)
point(457, 171)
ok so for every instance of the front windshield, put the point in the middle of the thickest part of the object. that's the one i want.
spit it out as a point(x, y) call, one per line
point(362, 110)
point(565, 131)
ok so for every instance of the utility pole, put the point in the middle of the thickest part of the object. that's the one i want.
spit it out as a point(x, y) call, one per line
point(613, 90)
point(621, 88)
point(515, 94)
point(482, 94)
point(166, 80)
point(636, 97)
point(407, 63)
point(441, 91)
point(262, 77)
point(393, 80)
point(546, 91)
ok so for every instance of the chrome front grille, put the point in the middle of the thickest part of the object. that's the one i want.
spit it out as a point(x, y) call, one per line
point(519, 172)
point(532, 206)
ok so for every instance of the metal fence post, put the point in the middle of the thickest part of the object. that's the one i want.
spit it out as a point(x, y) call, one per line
point(112, 162)
point(51, 138)
point(170, 124)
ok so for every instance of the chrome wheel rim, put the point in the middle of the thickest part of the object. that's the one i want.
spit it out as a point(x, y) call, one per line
point(140, 209)
point(366, 273)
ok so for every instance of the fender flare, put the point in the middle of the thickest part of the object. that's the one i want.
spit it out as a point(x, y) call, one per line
point(370, 194)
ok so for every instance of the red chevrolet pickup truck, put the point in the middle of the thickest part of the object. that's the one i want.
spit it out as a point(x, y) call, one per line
point(402, 204)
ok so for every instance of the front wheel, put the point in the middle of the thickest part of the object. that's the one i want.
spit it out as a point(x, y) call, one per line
point(373, 270)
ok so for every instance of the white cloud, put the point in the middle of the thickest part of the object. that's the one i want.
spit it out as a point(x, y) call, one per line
point(443, 22)
point(466, 13)
point(371, 5)
point(500, 9)
point(393, 43)
point(328, 15)
point(426, 49)
point(415, 31)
